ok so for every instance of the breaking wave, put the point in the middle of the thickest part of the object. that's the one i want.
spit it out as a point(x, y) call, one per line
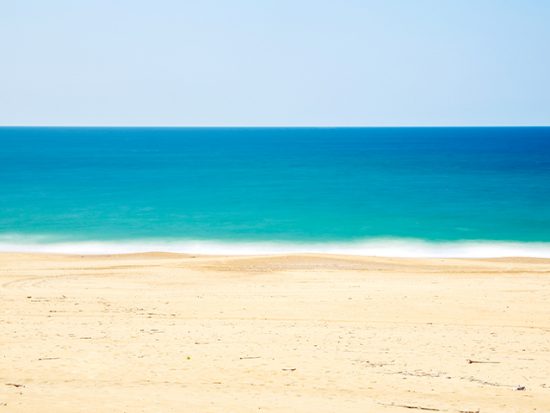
point(381, 247)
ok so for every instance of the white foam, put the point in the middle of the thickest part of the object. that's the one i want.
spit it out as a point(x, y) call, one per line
point(382, 247)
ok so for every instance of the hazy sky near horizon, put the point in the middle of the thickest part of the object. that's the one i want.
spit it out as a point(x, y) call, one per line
point(276, 62)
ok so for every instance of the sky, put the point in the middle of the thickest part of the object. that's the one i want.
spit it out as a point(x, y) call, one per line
point(275, 62)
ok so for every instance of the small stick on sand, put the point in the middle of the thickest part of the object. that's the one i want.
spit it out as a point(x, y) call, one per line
point(482, 362)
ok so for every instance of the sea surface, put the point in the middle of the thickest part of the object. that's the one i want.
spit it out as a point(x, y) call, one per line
point(371, 191)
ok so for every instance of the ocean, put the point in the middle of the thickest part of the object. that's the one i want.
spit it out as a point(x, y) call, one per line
point(370, 191)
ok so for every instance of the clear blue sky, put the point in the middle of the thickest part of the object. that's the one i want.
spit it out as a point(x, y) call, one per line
point(275, 62)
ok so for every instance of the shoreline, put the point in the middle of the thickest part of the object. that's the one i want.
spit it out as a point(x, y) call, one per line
point(153, 254)
point(376, 247)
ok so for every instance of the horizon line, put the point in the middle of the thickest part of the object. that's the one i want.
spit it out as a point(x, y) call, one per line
point(273, 126)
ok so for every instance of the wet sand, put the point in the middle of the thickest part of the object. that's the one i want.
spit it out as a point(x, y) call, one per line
point(304, 333)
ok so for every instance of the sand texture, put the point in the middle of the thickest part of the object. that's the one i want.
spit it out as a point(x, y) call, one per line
point(308, 333)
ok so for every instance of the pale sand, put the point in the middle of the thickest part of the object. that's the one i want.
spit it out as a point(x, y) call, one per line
point(313, 333)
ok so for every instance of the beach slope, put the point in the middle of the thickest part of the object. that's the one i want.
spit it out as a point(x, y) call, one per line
point(302, 333)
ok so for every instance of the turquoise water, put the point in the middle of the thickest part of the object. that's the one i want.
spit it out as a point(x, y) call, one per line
point(313, 187)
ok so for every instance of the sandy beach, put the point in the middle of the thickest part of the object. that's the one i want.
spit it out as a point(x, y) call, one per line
point(309, 333)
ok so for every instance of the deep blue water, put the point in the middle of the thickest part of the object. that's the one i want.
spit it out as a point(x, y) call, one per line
point(275, 184)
